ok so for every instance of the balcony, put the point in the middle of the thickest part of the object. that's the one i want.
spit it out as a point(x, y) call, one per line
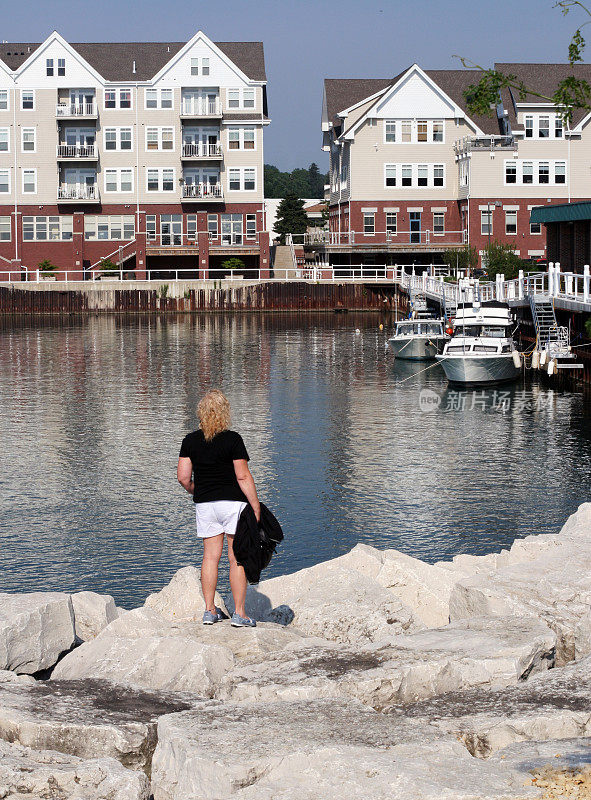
point(202, 151)
point(202, 192)
point(199, 107)
point(80, 152)
point(76, 111)
point(484, 143)
point(78, 193)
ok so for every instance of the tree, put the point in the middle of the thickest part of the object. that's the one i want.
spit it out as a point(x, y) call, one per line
point(307, 183)
point(291, 217)
point(500, 259)
point(464, 258)
point(46, 267)
point(106, 265)
point(317, 181)
point(570, 93)
point(233, 263)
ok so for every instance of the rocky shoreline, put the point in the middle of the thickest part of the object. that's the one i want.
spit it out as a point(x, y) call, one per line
point(373, 675)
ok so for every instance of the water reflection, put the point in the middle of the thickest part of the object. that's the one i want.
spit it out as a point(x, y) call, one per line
point(92, 413)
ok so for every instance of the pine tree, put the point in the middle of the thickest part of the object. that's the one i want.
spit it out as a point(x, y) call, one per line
point(291, 217)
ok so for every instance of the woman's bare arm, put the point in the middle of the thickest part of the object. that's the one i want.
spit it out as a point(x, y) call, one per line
point(246, 483)
point(184, 474)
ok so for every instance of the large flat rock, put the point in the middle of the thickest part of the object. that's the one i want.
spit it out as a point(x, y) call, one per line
point(88, 719)
point(561, 769)
point(550, 706)
point(335, 602)
point(35, 629)
point(319, 749)
point(182, 598)
point(29, 775)
point(554, 587)
point(480, 652)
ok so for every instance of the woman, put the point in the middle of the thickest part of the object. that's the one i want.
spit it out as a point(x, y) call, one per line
point(213, 467)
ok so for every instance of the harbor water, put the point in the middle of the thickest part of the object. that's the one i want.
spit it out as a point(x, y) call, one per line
point(347, 445)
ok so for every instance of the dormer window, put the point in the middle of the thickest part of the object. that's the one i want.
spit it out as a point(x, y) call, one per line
point(49, 66)
point(529, 127)
point(544, 127)
point(558, 127)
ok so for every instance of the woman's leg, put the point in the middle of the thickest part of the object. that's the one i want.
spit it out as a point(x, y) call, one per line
point(212, 552)
point(237, 579)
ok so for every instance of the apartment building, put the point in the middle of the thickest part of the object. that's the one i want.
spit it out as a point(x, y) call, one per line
point(147, 153)
point(413, 173)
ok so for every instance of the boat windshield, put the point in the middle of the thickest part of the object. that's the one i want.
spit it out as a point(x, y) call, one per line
point(418, 329)
point(484, 331)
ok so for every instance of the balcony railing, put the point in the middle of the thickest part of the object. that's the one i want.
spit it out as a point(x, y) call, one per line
point(76, 151)
point(77, 192)
point(202, 150)
point(76, 110)
point(201, 107)
point(482, 143)
point(434, 239)
point(202, 191)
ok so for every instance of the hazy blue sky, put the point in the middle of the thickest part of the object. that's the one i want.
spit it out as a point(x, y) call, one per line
point(307, 41)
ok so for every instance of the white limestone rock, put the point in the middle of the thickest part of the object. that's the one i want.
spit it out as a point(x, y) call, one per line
point(25, 774)
point(556, 761)
point(182, 598)
point(88, 719)
point(35, 629)
point(320, 749)
point(479, 652)
point(331, 601)
point(92, 613)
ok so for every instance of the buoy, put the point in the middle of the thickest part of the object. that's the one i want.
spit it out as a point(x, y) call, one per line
point(543, 357)
point(535, 360)
point(552, 366)
point(357, 331)
point(381, 327)
point(449, 330)
point(517, 359)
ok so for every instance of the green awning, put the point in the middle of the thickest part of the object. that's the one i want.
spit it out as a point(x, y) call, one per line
point(566, 212)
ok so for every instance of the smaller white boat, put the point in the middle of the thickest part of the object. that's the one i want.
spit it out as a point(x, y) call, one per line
point(481, 350)
point(418, 339)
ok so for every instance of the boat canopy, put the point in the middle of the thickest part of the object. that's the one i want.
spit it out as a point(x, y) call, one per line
point(485, 314)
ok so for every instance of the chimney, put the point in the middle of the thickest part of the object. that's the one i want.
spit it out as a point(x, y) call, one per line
point(134, 69)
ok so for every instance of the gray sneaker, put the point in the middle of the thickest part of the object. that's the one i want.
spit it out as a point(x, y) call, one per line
point(220, 614)
point(242, 622)
point(210, 617)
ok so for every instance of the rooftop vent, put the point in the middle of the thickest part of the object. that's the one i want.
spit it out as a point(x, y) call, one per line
point(134, 69)
point(168, 49)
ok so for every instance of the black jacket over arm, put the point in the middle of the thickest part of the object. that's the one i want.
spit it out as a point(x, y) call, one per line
point(254, 543)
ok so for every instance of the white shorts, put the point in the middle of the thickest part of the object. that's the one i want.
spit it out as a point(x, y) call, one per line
point(219, 516)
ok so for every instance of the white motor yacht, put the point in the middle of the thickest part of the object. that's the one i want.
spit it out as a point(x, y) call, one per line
point(418, 339)
point(481, 349)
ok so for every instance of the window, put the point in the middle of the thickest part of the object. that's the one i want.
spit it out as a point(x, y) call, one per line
point(205, 66)
point(248, 98)
point(438, 131)
point(160, 180)
point(28, 140)
point(438, 175)
point(486, 222)
point(212, 225)
point(406, 175)
point(369, 224)
point(438, 223)
point(4, 181)
point(118, 139)
point(5, 231)
point(241, 138)
point(559, 172)
point(151, 227)
point(422, 130)
point(53, 229)
point(529, 127)
point(528, 172)
point(119, 180)
point(510, 172)
point(109, 227)
point(390, 130)
point(158, 98)
point(244, 179)
point(511, 222)
point(159, 139)
point(165, 98)
point(544, 127)
point(543, 172)
point(234, 138)
point(117, 98)
point(535, 228)
point(3, 99)
point(406, 130)
point(61, 66)
point(27, 100)
point(233, 98)
point(390, 174)
point(110, 98)
point(194, 66)
point(249, 179)
point(29, 181)
point(124, 98)
point(4, 140)
point(192, 227)
point(49, 66)
point(391, 222)
point(251, 226)
point(151, 98)
point(422, 175)
point(558, 127)
point(249, 138)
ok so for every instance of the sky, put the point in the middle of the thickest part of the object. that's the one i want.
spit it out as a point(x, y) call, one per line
point(307, 41)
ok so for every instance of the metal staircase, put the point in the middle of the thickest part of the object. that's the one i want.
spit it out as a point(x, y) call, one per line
point(450, 306)
point(418, 303)
point(550, 336)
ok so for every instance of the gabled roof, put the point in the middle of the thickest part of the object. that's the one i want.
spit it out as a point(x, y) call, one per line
point(542, 78)
point(114, 60)
point(343, 93)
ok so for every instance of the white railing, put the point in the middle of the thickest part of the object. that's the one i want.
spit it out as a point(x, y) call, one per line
point(290, 243)
point(77, 192)
point(201, 107)
point(233, 239)
point(201, 150)
point(75, 110)
point(203, 191)
point(76, 151)
point(423, 237)
point(493, 142)
point(122, 253)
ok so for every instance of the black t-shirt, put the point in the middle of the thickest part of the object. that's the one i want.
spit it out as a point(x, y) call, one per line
point(213, 467)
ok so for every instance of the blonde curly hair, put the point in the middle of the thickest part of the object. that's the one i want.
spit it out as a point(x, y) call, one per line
point(214, 413)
